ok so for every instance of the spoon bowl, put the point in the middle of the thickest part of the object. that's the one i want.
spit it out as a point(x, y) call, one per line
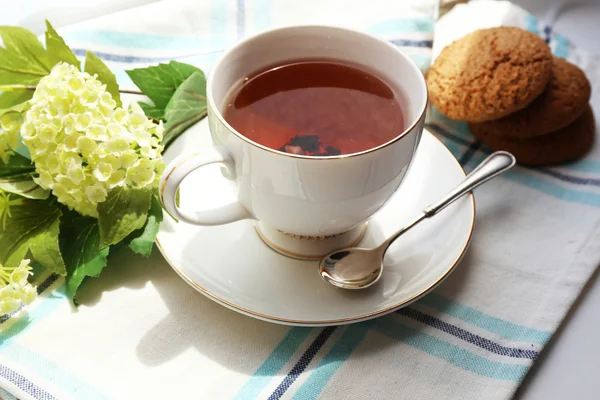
point(359, 268)
point(345, 268)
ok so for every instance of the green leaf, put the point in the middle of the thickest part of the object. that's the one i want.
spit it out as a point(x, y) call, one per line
point(24, 187)
point(57, 48)
point(9, 100)
point(24, 59)
point(44, 248)
point(18, 166)
point(143, 239)
point(186, 107)
point(124, 211)
point(20, 149)
point(34, 225)
point(80, 244)
point(160, 82)
point(94, 65)
point(152, 111)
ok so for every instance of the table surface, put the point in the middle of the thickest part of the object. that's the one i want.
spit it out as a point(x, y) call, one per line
point(569, 366)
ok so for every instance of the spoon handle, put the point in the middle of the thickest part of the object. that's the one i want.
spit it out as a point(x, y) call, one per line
point(492, 166)
point(489, 168)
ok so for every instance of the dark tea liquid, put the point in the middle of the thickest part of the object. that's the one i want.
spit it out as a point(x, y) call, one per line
point(316, 108)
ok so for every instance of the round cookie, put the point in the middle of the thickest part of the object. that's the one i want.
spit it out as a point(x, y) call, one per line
point(489, 74)
point(562, 102)
point(566, 144)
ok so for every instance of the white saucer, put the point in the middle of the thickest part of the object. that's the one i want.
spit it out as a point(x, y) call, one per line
point(231, 265)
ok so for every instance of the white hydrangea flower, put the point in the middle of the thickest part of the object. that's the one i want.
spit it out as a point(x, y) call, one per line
point(15, 290)
point(83, 146)
point(10, 123)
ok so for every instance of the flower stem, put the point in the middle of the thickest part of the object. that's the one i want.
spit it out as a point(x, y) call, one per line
point(13, 88)
point(128, 91)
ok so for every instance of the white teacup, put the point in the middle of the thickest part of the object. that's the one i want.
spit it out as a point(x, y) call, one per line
point(304, 206)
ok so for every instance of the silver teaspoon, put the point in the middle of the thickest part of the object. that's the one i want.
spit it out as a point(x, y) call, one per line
point(359, 268)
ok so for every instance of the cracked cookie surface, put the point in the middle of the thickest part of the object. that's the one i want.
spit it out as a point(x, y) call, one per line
point(489, 74)
point(566, 144)
point(562, 102)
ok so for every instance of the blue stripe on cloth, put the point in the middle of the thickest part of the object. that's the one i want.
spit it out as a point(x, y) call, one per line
point(547, 33)
point(35, 362)
point(459, 128)
point(500, 327)
point(52, 372)
point(453, 142)
point(569, 178)
point(423, 62)
point(47, 283)
point(219, 18)
point(241, 18)
point(274, 362)
point(558, 43)
point(561, 46)
point(40, 289)
point(302, 363)
point(203, 61)
point(554, 190)
point(402, 25)
point(592, 166)
point(449, 135)
point(24, 384)
point(262, 16)
point(46, 307)
point(471, 151)
point(450, 353)
point(123, 79)
point(525, 178)
point(146, 41)
point(453, 147)
point(140, 60)
point(340, 351)
point(412, 43)
point(581, 166)
point(532, 24)
point(467, 336)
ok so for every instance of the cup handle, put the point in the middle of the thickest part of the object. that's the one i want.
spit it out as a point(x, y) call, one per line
point(177, 171)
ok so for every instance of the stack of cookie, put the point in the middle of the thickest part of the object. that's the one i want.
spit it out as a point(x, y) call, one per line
point(515, 95)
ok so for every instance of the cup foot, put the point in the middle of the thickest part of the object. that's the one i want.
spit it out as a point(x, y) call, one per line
point(308, 248)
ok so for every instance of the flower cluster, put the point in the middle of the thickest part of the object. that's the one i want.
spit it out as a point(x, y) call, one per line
point(83, 145)
point(15, 290)
point(10, 123)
